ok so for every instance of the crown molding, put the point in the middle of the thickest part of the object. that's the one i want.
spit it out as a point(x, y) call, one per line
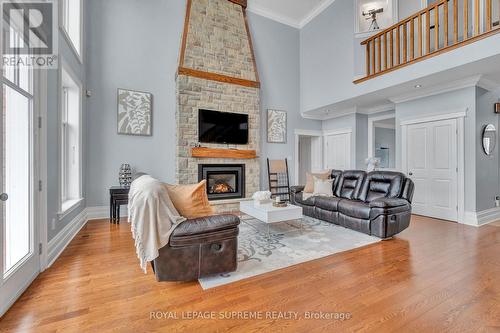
point(315, 12)
point(297, 24)
point(272, 15)
point(488, 84)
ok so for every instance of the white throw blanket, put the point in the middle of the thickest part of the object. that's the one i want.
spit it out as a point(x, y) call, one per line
point(153, 217)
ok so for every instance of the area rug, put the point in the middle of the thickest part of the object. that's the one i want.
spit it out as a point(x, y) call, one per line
point(290, 243)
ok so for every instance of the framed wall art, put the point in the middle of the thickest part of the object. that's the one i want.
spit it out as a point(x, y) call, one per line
point(276, 126)
point(135, 112)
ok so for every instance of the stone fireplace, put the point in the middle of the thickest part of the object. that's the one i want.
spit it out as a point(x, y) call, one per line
point(217, 71)
point(224, 181)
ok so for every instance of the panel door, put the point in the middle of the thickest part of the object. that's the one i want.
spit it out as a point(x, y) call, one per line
point(432, 165)
point(338, 151)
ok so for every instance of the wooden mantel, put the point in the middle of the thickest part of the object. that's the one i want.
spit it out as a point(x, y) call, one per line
point(242, 3)
point(203, 152)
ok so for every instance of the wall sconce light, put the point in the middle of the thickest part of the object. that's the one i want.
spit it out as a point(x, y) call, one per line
point(497, 107)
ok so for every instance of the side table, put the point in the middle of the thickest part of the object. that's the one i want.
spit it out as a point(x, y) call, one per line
point(118, 196)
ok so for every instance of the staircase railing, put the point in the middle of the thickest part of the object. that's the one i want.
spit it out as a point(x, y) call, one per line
point(441, 27)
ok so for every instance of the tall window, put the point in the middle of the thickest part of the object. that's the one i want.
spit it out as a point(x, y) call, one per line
point(71, 93)
point(72, 22)
point(17, 146)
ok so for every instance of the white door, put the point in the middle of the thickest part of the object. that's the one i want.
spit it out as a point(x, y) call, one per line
point(19, 237)
point(338, 151)
point(432, 165)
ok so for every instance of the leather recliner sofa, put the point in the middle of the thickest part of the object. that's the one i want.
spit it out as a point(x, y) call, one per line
point(377, 203)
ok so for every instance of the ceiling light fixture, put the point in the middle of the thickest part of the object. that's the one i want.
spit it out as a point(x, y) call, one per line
point(418, 86)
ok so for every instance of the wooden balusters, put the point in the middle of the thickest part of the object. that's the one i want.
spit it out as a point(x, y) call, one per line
point(445, 24)
point(368, 56)
point(420, 37)
point(405, 43)
point(428, 31)
point(489, 14)
point(412, 39)
point(373, 56)
point(466, 19)
point(455, 21)
point(391, 47)
point(477, 17)
point(379, 54)
point(398, 47)
point(436, 28)
point(387, 50)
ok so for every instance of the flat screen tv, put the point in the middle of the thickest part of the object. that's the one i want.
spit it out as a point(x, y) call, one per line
point(222, 127)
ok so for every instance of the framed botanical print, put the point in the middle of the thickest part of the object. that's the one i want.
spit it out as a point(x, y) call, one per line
point(135, 112)
point(276, 126)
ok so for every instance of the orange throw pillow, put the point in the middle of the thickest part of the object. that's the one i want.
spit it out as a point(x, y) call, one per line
point(310, 179)
point(191, 200)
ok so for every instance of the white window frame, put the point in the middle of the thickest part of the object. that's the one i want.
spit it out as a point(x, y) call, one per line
point(64, 30)
point(68, 206)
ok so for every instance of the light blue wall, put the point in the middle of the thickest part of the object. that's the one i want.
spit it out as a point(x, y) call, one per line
point(487, 180)
point(131, 44)
point(278, 64)
point(327, 55)
point(135, 44)
point(455, 101)
point(54, 226)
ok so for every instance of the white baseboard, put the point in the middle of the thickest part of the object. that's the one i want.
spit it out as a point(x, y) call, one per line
point(57, 244)
point(102, 212)
point(9, 302)
point(478, 219)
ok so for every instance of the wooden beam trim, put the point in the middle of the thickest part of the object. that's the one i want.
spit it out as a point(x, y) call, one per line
point(249, 36)
point(242, 3)
point(205, 152)
point(185, 33)
point(217, 77)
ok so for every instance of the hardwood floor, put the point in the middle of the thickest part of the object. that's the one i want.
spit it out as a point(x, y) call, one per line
point(434, 277)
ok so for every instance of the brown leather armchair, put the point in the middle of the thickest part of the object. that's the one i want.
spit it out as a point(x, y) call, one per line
point(199, 248)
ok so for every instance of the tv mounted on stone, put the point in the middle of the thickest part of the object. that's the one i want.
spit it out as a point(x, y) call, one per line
point(222, 127)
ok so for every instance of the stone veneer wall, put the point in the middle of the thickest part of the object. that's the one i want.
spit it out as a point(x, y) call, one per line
point(194, 94)
point(217, 43)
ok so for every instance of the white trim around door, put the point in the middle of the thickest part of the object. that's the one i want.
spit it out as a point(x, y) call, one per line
point(459, 115)
point(371, 132)
point(316, 150)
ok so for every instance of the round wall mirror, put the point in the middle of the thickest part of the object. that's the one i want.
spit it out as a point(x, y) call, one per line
point(489, 139)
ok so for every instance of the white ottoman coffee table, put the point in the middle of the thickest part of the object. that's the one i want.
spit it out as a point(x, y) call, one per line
point(268, 214)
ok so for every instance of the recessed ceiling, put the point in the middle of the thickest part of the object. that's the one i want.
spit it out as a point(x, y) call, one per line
point(296, 13)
